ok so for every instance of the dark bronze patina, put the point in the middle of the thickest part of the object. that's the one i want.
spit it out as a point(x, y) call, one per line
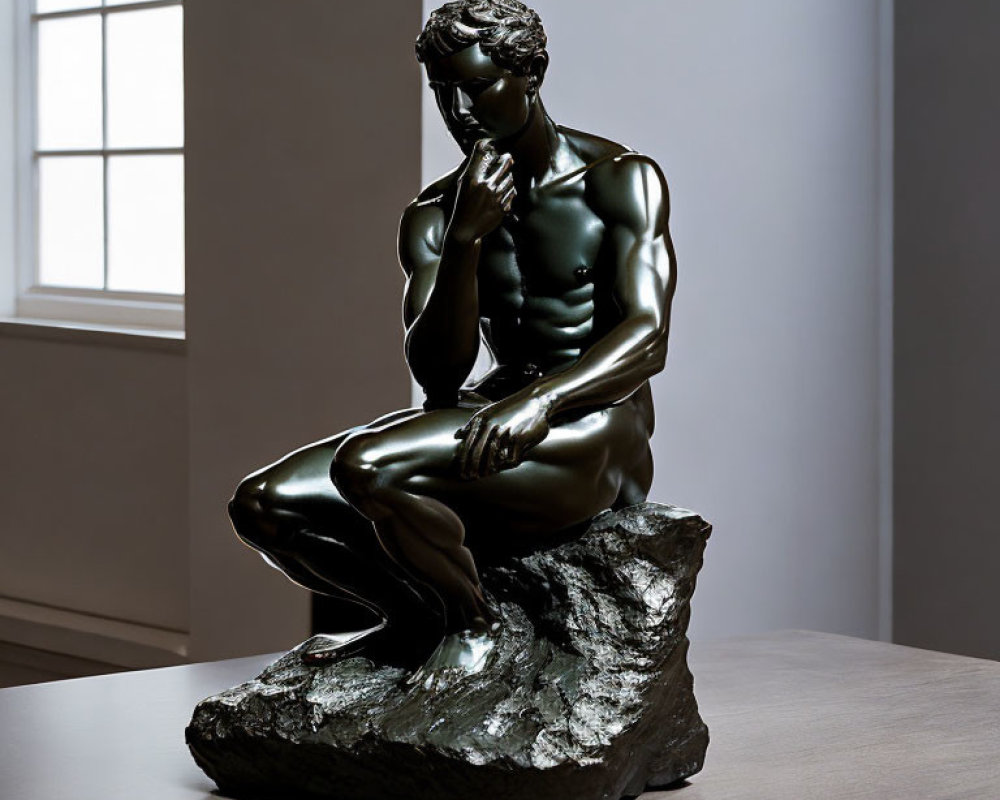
point(553, 246)
point(587, 694)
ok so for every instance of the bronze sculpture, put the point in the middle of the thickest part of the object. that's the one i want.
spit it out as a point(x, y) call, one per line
point(526, 610)
point(554, 245)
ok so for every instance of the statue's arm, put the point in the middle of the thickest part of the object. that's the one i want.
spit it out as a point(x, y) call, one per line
point(440, 304)
point(630, 194)
point(439, 252)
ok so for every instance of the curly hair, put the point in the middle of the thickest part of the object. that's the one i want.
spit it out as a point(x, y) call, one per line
point(508, 31)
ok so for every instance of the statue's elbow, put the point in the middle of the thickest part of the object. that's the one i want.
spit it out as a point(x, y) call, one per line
point(440, 381)
point(659, 359)
point(657, 352)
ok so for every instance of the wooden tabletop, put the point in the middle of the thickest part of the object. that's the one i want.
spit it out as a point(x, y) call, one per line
point(792, 715)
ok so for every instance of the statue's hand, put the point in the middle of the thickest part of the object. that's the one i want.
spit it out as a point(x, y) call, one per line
point(485, 193)
point(498, 435)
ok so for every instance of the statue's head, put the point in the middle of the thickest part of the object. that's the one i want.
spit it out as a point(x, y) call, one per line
point(485, 61)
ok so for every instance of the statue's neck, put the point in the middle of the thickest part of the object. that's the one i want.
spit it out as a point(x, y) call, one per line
point(534, 147)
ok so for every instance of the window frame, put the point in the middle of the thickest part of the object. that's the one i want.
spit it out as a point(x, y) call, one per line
point(40, 302)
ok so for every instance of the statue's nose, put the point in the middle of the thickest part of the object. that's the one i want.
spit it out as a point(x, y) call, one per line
point(461, 105)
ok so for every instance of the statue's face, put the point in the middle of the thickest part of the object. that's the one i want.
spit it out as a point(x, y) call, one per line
point(477, 98)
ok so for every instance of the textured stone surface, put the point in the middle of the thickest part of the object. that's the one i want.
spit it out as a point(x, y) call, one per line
point(588, 694)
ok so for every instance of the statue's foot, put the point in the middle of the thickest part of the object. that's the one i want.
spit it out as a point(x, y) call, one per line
point(457, 656)
point(325, 648)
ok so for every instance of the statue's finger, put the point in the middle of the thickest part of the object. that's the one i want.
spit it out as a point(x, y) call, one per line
point(462, 454)
point(479, 456)
point(484, 155)
point(500, 452)
point(469, 447)
point(515, 453)
point(504, 186)
point(492, 456)
point(521, 446)
point(502, 172)
point(508, 198)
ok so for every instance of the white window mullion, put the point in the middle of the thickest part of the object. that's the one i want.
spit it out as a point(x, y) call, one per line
point(97, 8)
point(104, 134)
point(27, 136)
point(142, 299)
point(114, 151)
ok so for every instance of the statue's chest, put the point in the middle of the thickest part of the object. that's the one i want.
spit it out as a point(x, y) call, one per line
point(548, 249)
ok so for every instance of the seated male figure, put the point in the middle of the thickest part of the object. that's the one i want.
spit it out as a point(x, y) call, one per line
point(553, 246)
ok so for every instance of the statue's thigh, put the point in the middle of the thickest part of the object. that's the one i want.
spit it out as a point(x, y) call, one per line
point(573, 474)
point(299, 483)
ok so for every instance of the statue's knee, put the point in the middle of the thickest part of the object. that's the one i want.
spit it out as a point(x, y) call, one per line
point(356, 470)
point(252, 513)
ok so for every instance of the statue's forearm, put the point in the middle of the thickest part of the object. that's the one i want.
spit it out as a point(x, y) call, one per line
point(442, 344)
point(612, 369)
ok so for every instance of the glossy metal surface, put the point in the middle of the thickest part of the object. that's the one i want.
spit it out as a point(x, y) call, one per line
point(584, 693)
point(553, 245)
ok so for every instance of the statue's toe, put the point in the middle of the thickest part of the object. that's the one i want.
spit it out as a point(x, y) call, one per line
point(325, 648)
point(458, 655)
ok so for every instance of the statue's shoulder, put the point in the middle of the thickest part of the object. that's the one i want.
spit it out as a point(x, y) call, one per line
point(424, 219)
point(592, 150)
point(620, 181)
point(439, 191)
point(607, 161)
point(604, 157)
point(422, 226)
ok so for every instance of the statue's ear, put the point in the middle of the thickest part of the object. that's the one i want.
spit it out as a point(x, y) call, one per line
point(536, 71)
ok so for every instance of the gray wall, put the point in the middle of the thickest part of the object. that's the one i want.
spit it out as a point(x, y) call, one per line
point(764, 117)
point(947, 369)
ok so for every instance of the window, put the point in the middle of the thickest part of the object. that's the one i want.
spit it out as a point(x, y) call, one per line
point(102, 177)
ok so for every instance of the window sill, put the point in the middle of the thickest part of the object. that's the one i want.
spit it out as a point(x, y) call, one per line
point(167, 341)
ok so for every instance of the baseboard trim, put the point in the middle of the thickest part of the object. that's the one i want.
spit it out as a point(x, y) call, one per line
point(90, 637)
point(35, 666)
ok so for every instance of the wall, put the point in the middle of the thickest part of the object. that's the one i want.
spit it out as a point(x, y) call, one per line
point(303, 147)
point(765, 118)
point(117, 547)
point(94, 477)
point(947, 329)
point(8, 89)
point(93, 459)
point(119, 453)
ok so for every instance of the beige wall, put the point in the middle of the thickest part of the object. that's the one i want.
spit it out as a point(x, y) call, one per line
point(303, 147)
point(119, 455)
point(94, 479)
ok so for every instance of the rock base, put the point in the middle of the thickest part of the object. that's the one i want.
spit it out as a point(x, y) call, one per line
point(587, 694)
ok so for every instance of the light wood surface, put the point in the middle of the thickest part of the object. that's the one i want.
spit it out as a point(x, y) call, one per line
point(793, 716)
